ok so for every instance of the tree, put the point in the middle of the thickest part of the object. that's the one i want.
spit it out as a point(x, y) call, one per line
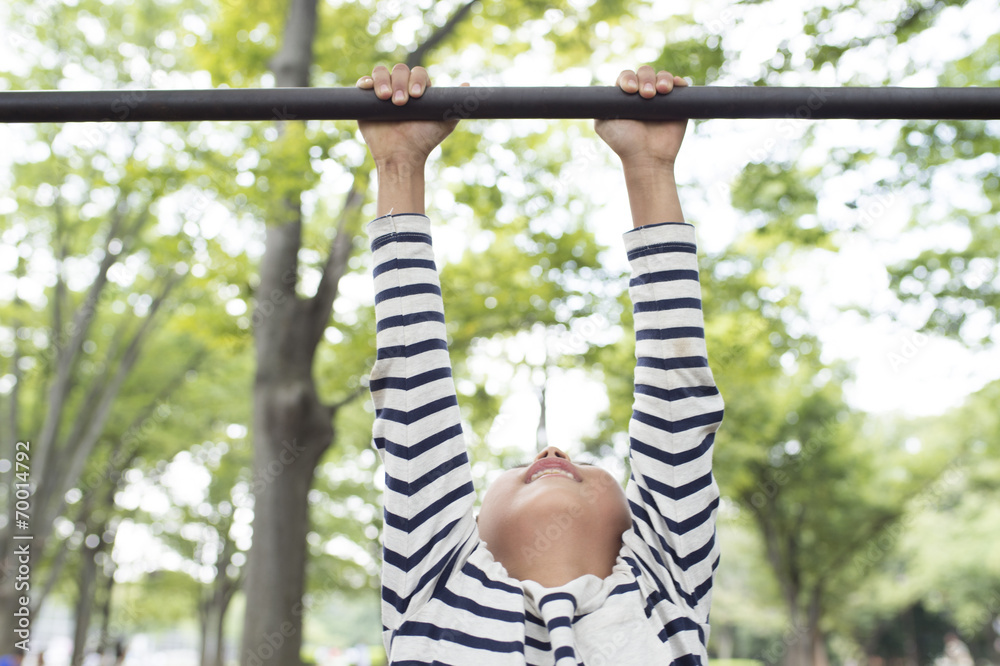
point(310, 181)
point(113, 331)
point(292, 427)
point(933, 568)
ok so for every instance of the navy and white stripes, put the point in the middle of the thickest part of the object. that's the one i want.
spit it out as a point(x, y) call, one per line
point(445, 600)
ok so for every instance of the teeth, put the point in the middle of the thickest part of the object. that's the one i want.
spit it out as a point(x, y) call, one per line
point(550, 471)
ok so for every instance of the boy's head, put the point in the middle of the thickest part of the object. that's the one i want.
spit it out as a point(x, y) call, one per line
point(554, 519)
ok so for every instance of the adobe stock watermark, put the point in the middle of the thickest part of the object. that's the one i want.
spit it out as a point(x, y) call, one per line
point(561, 523)
point(130, 442)
point(610, 650)
point(23, 538)
point(907, 348)
point(874, 208)
point(979, 273)
point(287, 454)
point(721, 22)
point(880, 545)
point(733, 354)
point(38, 13)
point(767, 488)
point(791, 636)
point(557, 526)
point(582, 334)
point(988, 615)
point(266, 305)
point(469, 103)
point(787, 128)
point(272, 641)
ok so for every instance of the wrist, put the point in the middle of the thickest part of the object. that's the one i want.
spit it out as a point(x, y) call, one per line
point(401, 165)
point(400, 187)
point(652, 193)
point(649, 166)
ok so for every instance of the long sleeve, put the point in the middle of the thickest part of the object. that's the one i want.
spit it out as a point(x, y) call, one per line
point(429, 493)
point(672, 493)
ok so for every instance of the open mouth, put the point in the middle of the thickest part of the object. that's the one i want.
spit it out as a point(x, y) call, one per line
point(551, 467)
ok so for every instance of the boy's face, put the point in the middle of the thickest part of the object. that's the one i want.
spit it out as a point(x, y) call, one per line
point(552, 502)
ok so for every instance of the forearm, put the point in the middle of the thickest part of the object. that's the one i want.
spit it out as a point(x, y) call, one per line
point(400, 187)
point(675, 415)
point(417, 429)
point(652, 193)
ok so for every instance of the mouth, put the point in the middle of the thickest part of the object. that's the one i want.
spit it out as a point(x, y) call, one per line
point(552, 468)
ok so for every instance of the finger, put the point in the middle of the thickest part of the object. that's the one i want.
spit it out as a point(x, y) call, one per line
point(381, 82)
point(664, 82)
point(420, 81)
point(627, 81)
point(366, 83)
point(680, 82)
point(400, 77)
point(647, 81)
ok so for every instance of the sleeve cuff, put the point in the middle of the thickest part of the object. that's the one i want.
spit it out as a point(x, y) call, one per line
point(664, 232)
point(403, 222)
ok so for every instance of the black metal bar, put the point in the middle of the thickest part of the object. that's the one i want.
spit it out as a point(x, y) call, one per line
point(60, 106)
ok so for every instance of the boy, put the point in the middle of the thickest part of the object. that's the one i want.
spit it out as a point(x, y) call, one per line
point(561, 567)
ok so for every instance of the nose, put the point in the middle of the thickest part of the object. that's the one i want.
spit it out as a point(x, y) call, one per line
point(552, 452)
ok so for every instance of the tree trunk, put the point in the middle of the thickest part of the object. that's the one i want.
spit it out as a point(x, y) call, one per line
point(817, 637)
point(205, 645)
point(818, 648)
point(220, 627)
point(292, 429)
point(106, 640)
point(89, 575)
point(86, 588)
point(804, 643)
point(212, 607)
point(291, 432)
point(725, 640)
point(912, 643)
point(794, 645)
point(283, 476)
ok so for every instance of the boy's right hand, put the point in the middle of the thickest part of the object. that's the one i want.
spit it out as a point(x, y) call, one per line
point(644, 143)
point(407, 141)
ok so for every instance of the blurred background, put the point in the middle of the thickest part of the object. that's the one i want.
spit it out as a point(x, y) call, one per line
point(186, 324)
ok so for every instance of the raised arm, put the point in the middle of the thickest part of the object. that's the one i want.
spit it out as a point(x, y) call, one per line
point(400, 149)
point(429, 494)
point(677, 408)
point(647, 150)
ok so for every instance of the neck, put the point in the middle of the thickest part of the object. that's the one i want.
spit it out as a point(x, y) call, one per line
point(554, 572)
point(555, 557)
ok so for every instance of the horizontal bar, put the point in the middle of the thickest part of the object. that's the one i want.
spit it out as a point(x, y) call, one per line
point(58, 106)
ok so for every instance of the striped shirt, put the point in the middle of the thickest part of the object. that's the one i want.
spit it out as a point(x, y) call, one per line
point(444, 598)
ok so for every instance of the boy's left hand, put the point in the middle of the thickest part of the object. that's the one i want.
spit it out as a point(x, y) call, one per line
point(641, 143)
point(405, 141)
